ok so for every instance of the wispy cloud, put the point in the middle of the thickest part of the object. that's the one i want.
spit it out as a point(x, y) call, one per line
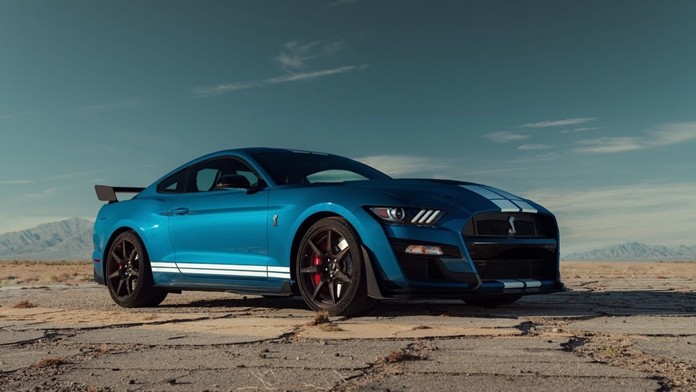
point(663, 135)
point(592, 218)
point(294, 59)
point(209, 91)
point(581, 129)
point(7, 116)
point(109, 107)
point(16, 182)
point(505, 137)
point(403, 165)
point(295, 55)
point(608, 145)
point(558, 123)
point(529, 147)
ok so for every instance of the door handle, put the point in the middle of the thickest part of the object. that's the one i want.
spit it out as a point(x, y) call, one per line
point(180, 211)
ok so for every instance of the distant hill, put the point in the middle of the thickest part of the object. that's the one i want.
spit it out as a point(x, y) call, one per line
point(637, 251)
point(70, 239)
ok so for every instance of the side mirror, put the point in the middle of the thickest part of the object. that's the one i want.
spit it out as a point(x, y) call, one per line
point(233, 181)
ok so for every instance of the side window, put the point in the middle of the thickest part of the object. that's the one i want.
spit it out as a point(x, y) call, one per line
point(173, 183)
point(205, 176)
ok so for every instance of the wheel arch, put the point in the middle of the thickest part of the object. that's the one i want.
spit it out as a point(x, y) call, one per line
point(372, 282)
point(300, 232)
point(111, 240)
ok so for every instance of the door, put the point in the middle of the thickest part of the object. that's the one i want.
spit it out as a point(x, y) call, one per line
point(220, 232)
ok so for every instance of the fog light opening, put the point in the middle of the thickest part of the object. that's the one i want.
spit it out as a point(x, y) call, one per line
point(428, 250)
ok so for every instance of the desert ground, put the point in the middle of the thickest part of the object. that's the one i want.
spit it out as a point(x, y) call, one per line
point(620, 326)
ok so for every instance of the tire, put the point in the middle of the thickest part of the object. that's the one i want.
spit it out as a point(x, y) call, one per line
point(330, 271)
point(493, 302)
point(128, 275)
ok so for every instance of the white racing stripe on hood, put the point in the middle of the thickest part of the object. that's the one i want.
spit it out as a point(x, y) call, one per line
point(507, 202)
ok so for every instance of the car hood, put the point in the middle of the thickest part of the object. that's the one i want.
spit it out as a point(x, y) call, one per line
point(451, 195)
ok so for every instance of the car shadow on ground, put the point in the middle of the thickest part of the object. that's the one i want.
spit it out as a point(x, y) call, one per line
point(570, 304)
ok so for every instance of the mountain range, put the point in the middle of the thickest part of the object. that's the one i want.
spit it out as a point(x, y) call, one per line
point(71, 239)
point(636, 251)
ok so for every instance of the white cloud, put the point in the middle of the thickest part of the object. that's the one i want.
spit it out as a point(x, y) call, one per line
point(672, 134)
point(334, 47)
point(296, 54)
point(16, 182)
point(294, 59)
point(647, 212)
point(558, 123)
point(528, 147)
point(663, 135)
point(403, 165)
point(607, 145)
point(209, 91)
point(505, 137)
point(581, 129)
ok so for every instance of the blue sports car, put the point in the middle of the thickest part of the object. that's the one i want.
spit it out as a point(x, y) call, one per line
point(335, 231)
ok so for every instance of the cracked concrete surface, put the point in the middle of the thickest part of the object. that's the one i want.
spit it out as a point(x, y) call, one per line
point(606, 333)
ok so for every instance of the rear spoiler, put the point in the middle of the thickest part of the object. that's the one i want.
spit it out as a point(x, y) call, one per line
point(108, 193)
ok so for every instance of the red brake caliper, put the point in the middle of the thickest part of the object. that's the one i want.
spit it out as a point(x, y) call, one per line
point(317, 276)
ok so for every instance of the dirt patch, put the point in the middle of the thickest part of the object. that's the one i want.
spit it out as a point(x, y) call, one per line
point(37, 273)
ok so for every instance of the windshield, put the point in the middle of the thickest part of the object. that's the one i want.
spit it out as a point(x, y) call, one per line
point(288, 167)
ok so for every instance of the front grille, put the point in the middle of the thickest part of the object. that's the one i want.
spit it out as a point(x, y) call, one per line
point(501, 224)
point(500, 251)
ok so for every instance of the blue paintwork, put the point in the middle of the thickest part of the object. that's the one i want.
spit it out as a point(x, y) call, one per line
point(233, 227)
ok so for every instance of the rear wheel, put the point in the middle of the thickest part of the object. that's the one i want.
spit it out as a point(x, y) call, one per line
point(493, 302)
point(330, 270)
point(128, 274)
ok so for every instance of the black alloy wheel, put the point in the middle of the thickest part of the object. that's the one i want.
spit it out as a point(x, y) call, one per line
point(330, 270)
point(128, 274)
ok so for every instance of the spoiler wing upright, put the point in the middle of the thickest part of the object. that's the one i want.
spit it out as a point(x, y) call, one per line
point(108, 193)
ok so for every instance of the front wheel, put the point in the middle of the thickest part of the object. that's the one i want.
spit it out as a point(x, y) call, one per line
point(330, 271)
point(128, 274)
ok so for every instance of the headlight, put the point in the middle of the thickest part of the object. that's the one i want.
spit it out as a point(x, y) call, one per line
point(408, 216)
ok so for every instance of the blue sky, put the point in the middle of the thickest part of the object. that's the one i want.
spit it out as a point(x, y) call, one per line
point(586, 107)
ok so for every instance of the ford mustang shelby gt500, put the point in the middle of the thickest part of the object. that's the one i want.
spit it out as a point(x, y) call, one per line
point(340, 233)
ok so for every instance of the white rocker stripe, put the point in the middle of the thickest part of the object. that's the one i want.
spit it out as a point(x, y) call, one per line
point(223, 267)
point(279, 269)
point(262, 274)
point(278, 275)
point(162, 269)
point(162, 264)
